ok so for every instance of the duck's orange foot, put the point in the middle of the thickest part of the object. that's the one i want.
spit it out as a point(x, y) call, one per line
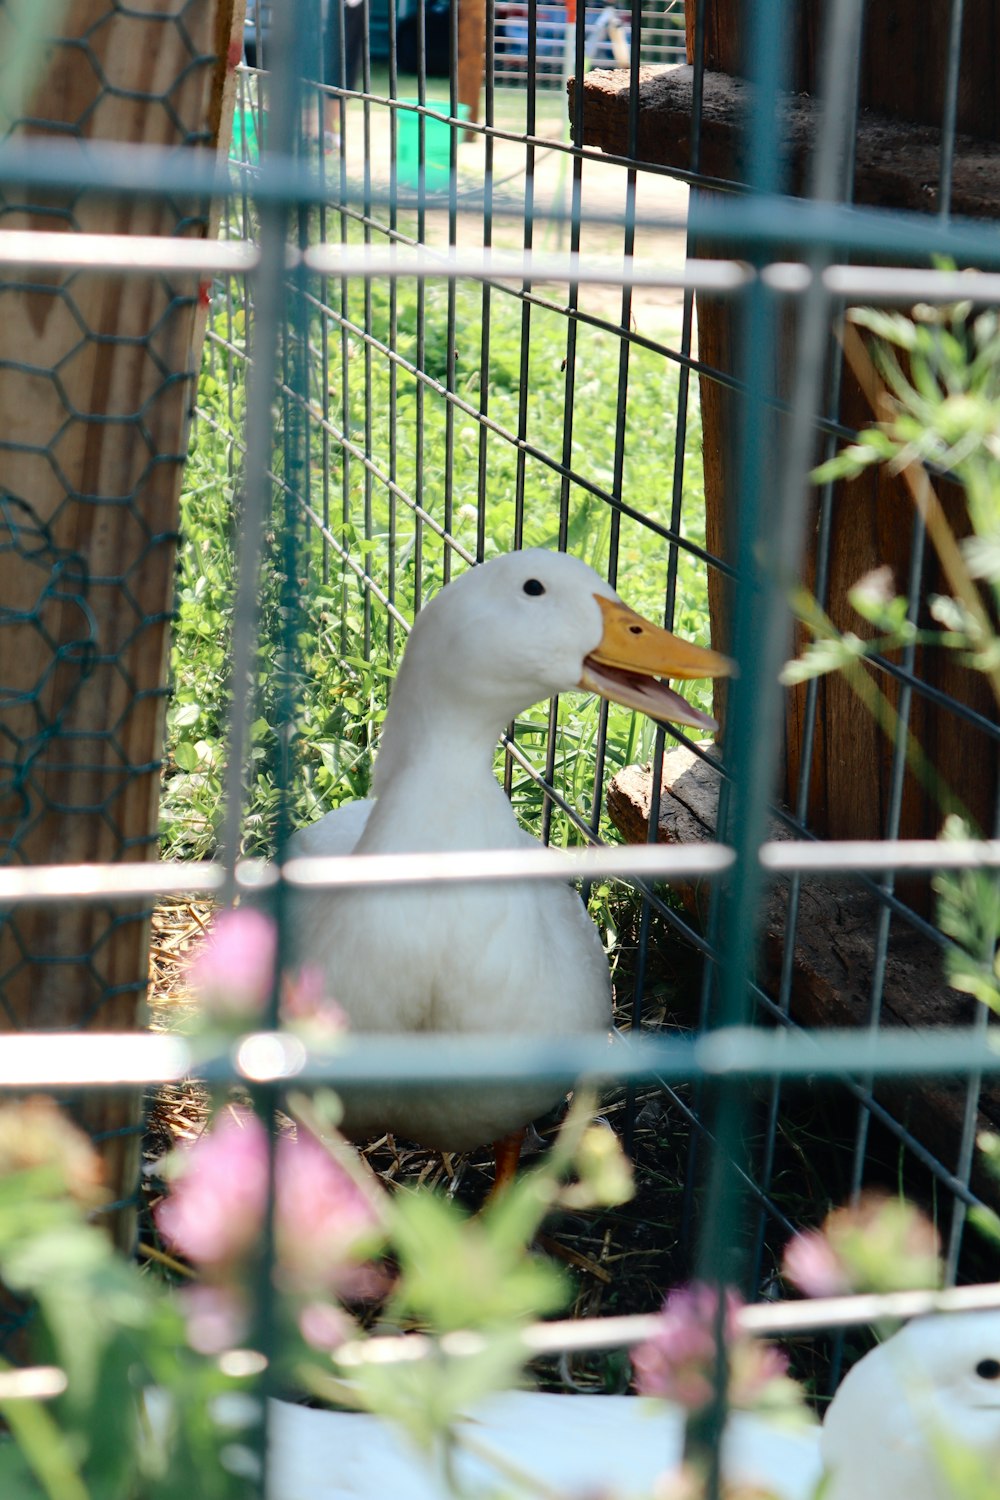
point(507, 1151)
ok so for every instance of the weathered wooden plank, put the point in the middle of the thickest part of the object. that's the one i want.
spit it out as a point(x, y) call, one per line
point(896, 164)
point(96, 379)
point(834, 954)
point(471, 53)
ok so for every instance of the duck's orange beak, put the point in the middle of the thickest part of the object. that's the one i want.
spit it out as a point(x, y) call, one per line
point(633, 654)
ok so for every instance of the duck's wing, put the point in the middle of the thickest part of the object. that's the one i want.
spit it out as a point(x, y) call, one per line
point(336, 832)
point(342, 1455)
point(568, 1444)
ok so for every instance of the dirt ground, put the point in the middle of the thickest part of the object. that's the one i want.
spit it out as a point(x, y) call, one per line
point(661, 202)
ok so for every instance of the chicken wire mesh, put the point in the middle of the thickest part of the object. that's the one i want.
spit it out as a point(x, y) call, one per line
point(415, 424)
point(95, 378)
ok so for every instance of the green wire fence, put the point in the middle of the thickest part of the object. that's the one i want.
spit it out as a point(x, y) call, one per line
point(451, 314)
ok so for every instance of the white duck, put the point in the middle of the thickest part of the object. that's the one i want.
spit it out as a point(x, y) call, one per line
point(904, 1410)
point(929, 1392)
point(501, 959)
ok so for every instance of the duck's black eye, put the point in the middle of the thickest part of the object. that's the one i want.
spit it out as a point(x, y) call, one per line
point(534, 586)
point(988, 1369)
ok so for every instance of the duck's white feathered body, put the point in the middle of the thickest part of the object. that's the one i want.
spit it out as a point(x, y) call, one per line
point(505, 958)
point(458, 959)
point(918, 1418)
point(525, 1444)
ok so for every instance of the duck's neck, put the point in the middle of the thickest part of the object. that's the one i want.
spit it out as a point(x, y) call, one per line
point(434, 782)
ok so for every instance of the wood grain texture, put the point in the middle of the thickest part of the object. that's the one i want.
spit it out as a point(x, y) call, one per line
point(901, 68)
point(896, 164)
point(471, 53)
point(96, 385)
point(834, 951)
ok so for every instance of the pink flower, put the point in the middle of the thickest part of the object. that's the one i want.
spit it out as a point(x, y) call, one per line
point(811, 1264)
point(880, 1244)
point(233, 970)
point(216, 1318)
point(232, 974)
point(305, 1004)
point(679, 1362)
point(322, 1214)
point(214, 1213)
point(324, 1326)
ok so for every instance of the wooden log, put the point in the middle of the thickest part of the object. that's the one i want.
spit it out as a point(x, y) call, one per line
point(471, 55)
point(834, 954)
point(896, 163)
point(902, 66)
point(96, 388)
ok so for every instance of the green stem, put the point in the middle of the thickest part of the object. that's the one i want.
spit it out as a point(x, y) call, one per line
point(43, 1446)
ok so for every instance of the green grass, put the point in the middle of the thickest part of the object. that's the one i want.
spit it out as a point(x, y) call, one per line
point(312, 648)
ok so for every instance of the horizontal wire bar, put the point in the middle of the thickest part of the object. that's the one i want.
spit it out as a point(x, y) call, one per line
point(762, 1320)
point(850, 856)
point(147, 254)
point(99, 1060)
point(129, 254)
point(152, 172)
point(716, 276)
point(770, 219)
point(844, 857)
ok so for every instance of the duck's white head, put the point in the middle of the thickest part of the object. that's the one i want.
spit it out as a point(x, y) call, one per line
point(936, 1381)
point(527, 625)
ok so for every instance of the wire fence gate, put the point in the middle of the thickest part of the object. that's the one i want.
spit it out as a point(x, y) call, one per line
point(447, 314)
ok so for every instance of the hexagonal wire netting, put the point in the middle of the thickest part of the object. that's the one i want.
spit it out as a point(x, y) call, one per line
point(434, 408)
point(95, 390)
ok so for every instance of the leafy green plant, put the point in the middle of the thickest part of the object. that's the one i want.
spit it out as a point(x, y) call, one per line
point(933, 378)
point(109, 1333)
point(939, 410)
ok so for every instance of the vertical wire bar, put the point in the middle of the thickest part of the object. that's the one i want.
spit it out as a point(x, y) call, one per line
point(970, 1128)
point(950, 108)
point(756, 705)
point(324, 376)
point(366, 84)
point(421, 352)
point(482, 477)
point(306, 215)
point(832, 180)
point(621, 407)
point(769, 548)
point(345, 346)
point(270, 305)
point(669, 604)
point(393, 333)
point(691, 1176)
point(618, 486)
point(452, 294)
point(528, 241)
point(524, 374)
point(569, 385)
point(754, 728)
